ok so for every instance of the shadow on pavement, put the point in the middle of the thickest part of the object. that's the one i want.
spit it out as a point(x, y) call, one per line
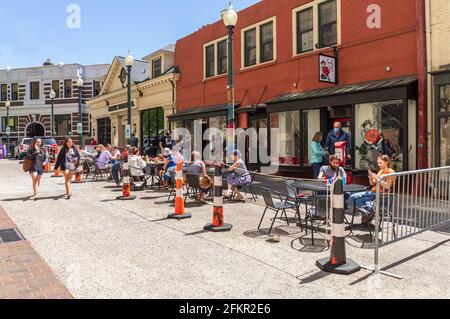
point(404, 260)
point(28, 198)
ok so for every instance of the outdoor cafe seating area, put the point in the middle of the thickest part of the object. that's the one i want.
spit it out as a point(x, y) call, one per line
point(301, 203)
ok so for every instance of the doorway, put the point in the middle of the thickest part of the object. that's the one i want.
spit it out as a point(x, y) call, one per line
point(35, 130)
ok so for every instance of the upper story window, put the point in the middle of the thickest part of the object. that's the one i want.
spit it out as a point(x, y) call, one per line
point(305, 30)
point(316, 23)
point(328, 23)
point(259, 43)
point(35, 91)
point(55, 87)
point(67, 88)
point(14, 92)
point(216, 58)
point(4, 92)
point(157, 67)
point(97, 88)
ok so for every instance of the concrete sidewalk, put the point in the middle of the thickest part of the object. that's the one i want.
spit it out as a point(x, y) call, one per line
point(103, 248)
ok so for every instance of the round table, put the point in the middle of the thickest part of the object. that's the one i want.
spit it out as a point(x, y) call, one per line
point(319, 186)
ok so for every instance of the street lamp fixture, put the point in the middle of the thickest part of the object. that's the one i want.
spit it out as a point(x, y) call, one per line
point(52, 96)
point(129, 61)
point(8, 129)
point(230, 19)
point(80, 84)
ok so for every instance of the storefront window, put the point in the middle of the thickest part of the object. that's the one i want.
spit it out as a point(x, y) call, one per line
point(445, 98)
point(379, 131)
point(13, 124)
point(288, 124)
point(311, 125)
point(445, 141)
point(219, 122)
point(104, 131)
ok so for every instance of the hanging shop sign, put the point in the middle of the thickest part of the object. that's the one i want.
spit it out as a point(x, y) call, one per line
point(328, 69)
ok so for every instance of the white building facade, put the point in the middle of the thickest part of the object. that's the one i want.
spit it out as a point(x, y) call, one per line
point(28, 91)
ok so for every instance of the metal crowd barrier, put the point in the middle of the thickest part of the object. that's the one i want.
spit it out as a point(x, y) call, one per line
point(408, 204)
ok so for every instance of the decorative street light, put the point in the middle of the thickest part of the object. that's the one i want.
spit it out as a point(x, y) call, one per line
point(230, 18)
point(129, 61)
point(80, 84)
point(52, 96)
point(8, 129)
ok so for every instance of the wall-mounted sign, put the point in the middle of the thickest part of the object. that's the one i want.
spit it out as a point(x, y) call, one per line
point(328, 69)
point(119, 107)
point(128, 131)
point(8, 130)
point(80, 128)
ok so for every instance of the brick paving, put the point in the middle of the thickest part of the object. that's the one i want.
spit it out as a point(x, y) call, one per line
point(23, 273)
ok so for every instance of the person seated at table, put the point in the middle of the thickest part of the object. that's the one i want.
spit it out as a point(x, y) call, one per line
point(169, 167)
point(136, 164)
point(239, 176)
point(105, 158)
point(328, 172)
point(362, 199)
point(115, 152)
point(117, 165)
point(198, 167)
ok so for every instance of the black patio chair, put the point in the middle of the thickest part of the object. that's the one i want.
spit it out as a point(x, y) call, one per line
point(282, 205)
point(193, 187)
point(297, 198)
point(249, 188)
point(138, 182)
point(368, 211)
point(172, 186)
point(102, 173)
point(318, 212)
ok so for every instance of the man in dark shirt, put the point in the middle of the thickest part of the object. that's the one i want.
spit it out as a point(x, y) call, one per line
point(134, 141)
point(166, 141)
point(338, 135)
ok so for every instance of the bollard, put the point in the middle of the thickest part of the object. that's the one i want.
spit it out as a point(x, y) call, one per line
point(179, 200)
point(338, 263)
point(126, 188)
point(218, 224)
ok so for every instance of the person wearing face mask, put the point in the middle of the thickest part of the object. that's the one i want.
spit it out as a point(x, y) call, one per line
point(335, 136)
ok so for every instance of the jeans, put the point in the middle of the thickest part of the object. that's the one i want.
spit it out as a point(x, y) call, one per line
point(359, 200)
point(115, 172)
point(316, 169)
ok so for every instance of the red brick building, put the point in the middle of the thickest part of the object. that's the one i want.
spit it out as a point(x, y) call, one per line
point(280, 84)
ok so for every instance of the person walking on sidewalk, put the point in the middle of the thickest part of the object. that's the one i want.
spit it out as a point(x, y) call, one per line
point(68, 161)
point(318, 154)
point(39, 158)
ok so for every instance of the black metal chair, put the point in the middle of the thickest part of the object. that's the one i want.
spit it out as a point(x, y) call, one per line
point(369, 213)
point(193, 187)
point(102, 173)
point(282, 205)
point(296, 198)
point(138, 182)
point(172, 186)
point(318, 212)
point(249, 188)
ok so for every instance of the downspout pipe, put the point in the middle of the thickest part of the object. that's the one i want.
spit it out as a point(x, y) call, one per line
point(422, 120)
point(431, 111)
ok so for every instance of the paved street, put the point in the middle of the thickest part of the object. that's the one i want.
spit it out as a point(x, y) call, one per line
point(102, 248)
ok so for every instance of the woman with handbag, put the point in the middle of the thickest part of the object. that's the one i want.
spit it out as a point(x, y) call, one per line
point(37, 158)
point(198, 168)
point(68, 161)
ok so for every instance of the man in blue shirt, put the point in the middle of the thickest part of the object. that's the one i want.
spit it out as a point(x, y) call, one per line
point(338, 135)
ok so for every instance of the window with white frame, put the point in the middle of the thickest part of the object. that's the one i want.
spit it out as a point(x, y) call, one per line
point(316, 23)
point(216, 58)
point(259, 43)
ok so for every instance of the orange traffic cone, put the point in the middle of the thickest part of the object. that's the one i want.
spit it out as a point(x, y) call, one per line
point(48, 167)
point(218, 224)
point(126, 187)
point(57, 173)
point(179, 200)
point(79, 176)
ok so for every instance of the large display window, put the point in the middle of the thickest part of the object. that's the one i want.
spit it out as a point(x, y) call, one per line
point(289, 136)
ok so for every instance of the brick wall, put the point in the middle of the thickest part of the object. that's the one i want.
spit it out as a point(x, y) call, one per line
point(440, 32)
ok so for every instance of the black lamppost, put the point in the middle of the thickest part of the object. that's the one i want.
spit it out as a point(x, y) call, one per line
point(230, 18)
point(52, 96)
point(80, 84)
point(8, 129)
point(129, 61)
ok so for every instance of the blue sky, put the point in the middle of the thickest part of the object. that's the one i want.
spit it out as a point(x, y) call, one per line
point(35, 30)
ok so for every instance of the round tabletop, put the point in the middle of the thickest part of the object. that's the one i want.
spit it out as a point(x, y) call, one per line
point(319, 186)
